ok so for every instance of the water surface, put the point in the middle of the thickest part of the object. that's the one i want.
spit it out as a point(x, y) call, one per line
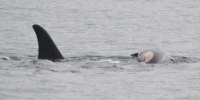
point(97, 37)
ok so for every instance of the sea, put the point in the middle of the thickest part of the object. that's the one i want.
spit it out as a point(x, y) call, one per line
point(97, 37)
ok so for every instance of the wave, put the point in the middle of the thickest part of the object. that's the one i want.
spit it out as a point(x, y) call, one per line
point(99, 58)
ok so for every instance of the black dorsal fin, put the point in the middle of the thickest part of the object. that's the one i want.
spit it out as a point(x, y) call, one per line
point(47, 48)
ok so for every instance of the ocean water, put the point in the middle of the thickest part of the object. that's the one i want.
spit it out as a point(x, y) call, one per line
point(97, 38)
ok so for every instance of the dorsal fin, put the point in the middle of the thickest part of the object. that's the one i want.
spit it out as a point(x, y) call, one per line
point(47, 48)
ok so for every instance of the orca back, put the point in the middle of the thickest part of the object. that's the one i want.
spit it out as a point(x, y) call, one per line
point(47, 48)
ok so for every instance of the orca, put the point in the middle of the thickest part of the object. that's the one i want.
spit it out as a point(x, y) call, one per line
point(47, 48)
point(151, 56)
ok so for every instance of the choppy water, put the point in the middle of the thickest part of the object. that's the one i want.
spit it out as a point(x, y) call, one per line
point(96, 37)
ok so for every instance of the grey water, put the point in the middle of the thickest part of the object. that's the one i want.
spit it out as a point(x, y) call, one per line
point(97, 38)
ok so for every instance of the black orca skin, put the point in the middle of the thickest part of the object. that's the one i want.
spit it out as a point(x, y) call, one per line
point(47, 48)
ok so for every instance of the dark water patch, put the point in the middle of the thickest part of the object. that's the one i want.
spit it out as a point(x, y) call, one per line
point(182, 59)
point(47, 66)
point(64, 71)
point(16, 58)
point(102, 65)
point(96, 58)
point(5, 58)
